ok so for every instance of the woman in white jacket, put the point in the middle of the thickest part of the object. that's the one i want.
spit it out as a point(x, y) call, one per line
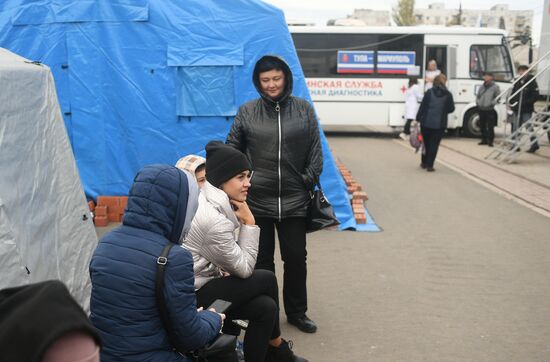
point(413, 95)
point(224, 243)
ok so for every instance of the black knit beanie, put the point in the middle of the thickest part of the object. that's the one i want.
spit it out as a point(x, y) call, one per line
point(223, 162)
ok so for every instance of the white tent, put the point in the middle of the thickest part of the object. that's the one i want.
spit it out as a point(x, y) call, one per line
point(46, 231)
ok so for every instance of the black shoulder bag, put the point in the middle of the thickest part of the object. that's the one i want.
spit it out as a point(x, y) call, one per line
point(320, 213)
point(222, 348)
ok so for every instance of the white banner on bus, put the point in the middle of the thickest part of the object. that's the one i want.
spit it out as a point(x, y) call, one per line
point(358, 62)
point(395, 62)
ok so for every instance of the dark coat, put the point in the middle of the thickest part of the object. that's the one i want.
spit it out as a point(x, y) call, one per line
point(287, 164)
point(436, 105)
point(530, 95)
point(123, 270)
point(33, 317)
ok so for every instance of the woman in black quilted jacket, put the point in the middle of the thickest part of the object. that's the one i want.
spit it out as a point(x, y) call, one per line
point(279, 133)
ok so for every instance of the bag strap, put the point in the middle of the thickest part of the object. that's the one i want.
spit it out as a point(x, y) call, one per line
point(162, 260)
point(319, 189)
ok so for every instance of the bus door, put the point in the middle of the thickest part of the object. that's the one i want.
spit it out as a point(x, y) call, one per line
point(437, 53)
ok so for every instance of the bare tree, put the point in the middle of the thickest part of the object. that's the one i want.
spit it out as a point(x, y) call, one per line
point(403, 13)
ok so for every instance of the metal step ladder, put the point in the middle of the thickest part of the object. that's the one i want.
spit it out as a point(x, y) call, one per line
point(528, 134)
point(523, 138)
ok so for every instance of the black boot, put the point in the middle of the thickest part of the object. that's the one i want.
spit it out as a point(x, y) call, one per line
point(283, 353)
point(303, 323)
point(533, 148)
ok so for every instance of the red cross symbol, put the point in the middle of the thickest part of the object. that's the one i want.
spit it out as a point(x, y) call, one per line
point(403, 89)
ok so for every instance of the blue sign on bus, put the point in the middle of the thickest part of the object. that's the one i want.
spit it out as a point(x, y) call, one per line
point(360, 61)
point(395, 62)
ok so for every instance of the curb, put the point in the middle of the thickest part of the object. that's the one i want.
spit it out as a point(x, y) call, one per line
point(495, 166)
point(358, 197)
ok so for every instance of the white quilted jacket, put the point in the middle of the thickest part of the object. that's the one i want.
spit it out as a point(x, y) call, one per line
point(217, 241)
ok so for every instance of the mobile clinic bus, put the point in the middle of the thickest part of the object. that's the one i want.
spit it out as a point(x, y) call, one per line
point(357, 76)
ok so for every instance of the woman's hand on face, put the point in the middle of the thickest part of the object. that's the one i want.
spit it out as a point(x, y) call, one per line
point(242, 212)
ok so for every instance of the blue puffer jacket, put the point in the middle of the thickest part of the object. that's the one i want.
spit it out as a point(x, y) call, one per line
point(160, 208)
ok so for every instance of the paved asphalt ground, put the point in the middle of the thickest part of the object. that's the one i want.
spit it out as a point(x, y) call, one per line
point(459, 273)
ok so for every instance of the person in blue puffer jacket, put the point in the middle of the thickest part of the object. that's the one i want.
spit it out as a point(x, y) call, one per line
point(161, 205)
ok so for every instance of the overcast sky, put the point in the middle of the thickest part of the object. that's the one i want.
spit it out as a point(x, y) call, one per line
point(322, 10)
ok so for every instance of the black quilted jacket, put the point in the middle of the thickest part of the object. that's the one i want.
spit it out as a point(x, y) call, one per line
point(281, 139)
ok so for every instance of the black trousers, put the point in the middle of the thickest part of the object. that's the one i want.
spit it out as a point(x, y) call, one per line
point(292, 243)
point(487, 122)
point(407, 129)
point(432, 139)
point(255, 299)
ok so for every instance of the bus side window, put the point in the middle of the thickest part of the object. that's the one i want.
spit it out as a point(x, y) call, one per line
point(318, 53)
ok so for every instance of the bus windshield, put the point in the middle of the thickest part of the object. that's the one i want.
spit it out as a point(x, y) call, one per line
point(490, 58)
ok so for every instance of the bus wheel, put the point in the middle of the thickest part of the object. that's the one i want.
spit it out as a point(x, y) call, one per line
point(470, 126)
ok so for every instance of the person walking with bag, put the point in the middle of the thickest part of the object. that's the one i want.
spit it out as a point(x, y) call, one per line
point(433, 113)
point(486, 101)
point(224, 263)
point(279, 133)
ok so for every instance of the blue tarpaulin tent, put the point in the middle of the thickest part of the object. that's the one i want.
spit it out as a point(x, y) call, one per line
point(148, 81)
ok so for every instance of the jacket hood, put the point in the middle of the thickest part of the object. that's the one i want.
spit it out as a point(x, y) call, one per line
point(190, 163)
point(439, 91)
point(163, 200)
point(288, 78)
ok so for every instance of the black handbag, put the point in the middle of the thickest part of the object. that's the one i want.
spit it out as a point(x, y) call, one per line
point(320, 213)
point(222, 348)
